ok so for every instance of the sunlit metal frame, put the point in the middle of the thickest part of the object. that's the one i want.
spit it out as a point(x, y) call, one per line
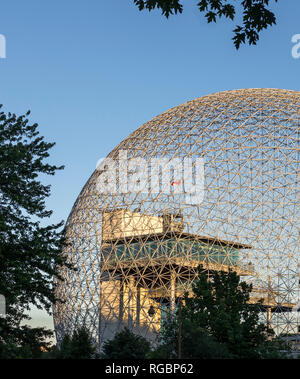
point(250, 142)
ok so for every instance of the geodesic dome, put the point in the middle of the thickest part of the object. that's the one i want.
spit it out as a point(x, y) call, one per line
point(136, 243)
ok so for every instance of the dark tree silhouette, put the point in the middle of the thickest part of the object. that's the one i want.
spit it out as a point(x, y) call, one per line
point(30, 254)
point(79, 345)
point(126, 345)
point(257, 15)
point(217, 322)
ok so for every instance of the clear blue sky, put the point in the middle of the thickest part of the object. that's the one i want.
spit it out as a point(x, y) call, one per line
point(93, 71)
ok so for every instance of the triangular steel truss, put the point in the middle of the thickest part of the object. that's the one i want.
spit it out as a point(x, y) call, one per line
point(136, 253)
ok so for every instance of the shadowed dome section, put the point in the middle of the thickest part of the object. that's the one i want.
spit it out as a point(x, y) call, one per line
point(137, 245)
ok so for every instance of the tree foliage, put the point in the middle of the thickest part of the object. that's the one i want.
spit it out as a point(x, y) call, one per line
point(257, 15)
point(25, 343)
point(29, 252)
point(196, 342)
point(79, 345)
point(221, 306)
point(217, 322)
point(126, 345)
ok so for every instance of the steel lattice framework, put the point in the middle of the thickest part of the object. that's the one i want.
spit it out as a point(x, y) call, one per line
point(136, 252)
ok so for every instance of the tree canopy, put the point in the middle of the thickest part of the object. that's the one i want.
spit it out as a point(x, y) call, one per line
point(30, 253)
point(257, 15)
point(124, 345)
point(79, 345)
point(218, 321)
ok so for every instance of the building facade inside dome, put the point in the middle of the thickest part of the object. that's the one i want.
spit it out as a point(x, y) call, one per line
point(137, 242)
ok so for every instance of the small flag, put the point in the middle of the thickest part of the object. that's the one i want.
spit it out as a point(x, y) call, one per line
point(176, 182)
